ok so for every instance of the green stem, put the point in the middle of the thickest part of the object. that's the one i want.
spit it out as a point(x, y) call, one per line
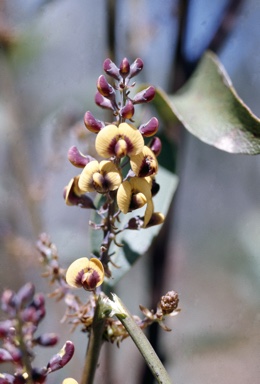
point(142, 343)
point(25, 356)
point(94, 346)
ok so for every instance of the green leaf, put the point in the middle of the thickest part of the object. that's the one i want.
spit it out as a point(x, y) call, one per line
point(209, 107)
point(135, 243)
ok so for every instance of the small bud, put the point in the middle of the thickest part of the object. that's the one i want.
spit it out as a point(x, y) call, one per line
point(135, 68)
point(144, 96)
point(111, 69)
point(103, 102)
point(128, 110)
point(134, 223)
point(150, 128)
point(6, 378)
point(47, 339)
point(8, 301)
point(155, 188)
point(124, 67)
point(77, 158)
point(5, 328)
point(105, 88)
point(39, 375)
point(156, 146)
point(15, 353)
point(92, 124)
point(169, 302)
point(25, 295)
point(61, 358)
point(5, 356)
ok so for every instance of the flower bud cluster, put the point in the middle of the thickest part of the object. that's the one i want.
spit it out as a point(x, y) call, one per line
point(25, 310)
point(126, 174)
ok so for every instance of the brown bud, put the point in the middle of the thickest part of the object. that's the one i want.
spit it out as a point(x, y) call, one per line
point(169, 302)
point(77, 158)
point(124, 67)
point(128, 110)
point(105, 88)
point(111, 69)
point(150, 128)
point(144, 96)
point(92, 124)
point(61, 358)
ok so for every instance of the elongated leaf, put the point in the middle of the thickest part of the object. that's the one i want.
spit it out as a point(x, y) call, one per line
point(136, 243)
point(209, 107)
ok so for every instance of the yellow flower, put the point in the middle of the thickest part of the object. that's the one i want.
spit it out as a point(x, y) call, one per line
point(119, 141)
point(69, 380)
point(144, 163)
point(134, 194)
point(74, 196)
point(85, 273)
point(100, 177)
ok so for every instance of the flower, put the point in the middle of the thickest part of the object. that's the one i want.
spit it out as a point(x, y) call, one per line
point(85, 273)
point(74, 196)
point(100, 177)
point(133, 194)
point(119, 141)
point(145, 163)
point(69, 380)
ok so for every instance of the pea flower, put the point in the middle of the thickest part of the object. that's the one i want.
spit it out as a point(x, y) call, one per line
point(85, 273)
point(144, 163)
point(119, 141)
point(100, 177)
point(74, 196)
point(133, 194)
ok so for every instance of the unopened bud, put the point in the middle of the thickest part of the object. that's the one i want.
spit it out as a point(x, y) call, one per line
point(144, 96)
point(6, 378)
point(77, 158)
point(39, 375)
point(105, 88)
point(111, 69)
point(62, 357)
point(47, 339)
point(8, 301)
point(92, 124)
point(5, 327)
point(169, 302)
point(150, 128)
point(103, 102)
point(135, 68)
point(5, 356)
point(25, 295)
point(124, 67)
point(156, 146)
point(128, 110)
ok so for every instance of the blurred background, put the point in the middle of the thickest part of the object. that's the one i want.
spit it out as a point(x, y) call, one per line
point(51, 55)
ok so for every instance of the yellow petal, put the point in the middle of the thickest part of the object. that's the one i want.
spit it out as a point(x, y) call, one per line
point(139, 184)
point(111, 173)
point(85, 182)
point(148, 212)
point(69, 380)
point(124, 195)
point(74, 269)
point(156, 219)
point(106, 140)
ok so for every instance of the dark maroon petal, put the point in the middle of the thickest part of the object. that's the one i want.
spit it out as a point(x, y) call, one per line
point(103, 102)
point(105, 88)
point(91, 123)
point(61, 358)
point(156, 146)
point(124, 67)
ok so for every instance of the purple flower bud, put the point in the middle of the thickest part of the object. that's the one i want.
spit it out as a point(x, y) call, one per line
point(155, 188)
point(5, 355)
point(38, 301)
point(25, 295)
point(144, 96)
point(19, 379)
point(150, 128)
point(135, 68)
point(6, 378)
point(105, 88)
point(103, 102)
point(128, 110)
point(77, 159)
point(111, 69)
point(124, 67)
point(8, 302)
point(6, 327)
point(15, 353)
point(47, 339)
point(62, 357)
point(92, 124)
point(156, 146)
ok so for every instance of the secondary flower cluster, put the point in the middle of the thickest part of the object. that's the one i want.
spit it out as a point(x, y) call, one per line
point(125, 174)
point(25, 311)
